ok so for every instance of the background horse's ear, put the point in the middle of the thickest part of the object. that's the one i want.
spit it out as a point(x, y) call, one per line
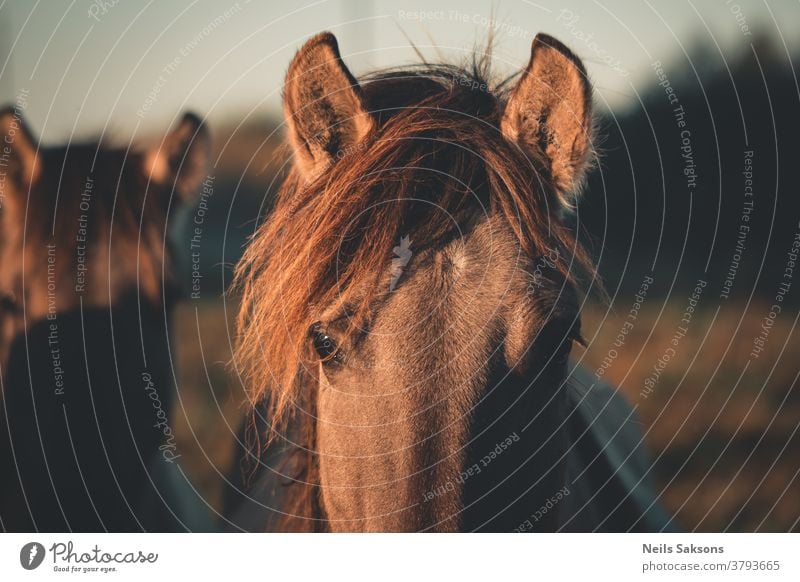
point(550, 113)
point(181, 160)
point(323, 105)
point(18, 146)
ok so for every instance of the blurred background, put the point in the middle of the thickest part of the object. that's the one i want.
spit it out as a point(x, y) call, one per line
point(694, 201)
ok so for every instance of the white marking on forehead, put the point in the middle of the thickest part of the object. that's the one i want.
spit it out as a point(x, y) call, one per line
point(458, 257)
point(402, 255)
point(455, 260)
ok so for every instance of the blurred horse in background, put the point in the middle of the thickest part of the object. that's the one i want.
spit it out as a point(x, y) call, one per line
point(88, 287)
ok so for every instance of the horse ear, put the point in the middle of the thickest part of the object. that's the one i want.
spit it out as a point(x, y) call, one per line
point(549, 112)
point(17, 150)
point(181, 160)
point(323, 105)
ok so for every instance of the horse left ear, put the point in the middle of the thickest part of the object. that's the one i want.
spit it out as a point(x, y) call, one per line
point(549, 113)
point(180, 161)
point(323, 106)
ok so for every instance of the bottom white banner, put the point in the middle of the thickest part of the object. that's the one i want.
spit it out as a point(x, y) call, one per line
point(459, 557)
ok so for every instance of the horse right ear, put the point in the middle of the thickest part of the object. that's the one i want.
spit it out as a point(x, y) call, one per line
point(549, 114)
point(323, 105)
point(18, 158)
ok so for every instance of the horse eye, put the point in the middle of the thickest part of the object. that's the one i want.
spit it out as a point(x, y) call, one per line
point(324, 345)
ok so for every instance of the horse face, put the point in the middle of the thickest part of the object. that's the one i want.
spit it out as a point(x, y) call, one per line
point(413, 387)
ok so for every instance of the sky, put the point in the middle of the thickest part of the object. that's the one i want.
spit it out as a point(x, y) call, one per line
point(125, 68)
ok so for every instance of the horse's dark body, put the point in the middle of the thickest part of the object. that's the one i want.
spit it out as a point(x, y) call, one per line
point(82, 455)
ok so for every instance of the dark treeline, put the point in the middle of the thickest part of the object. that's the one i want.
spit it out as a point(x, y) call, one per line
point(672, 196)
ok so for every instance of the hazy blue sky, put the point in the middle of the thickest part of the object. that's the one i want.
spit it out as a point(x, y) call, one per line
point(89, 67)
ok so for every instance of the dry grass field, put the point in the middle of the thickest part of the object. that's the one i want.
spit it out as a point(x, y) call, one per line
point(725, 441)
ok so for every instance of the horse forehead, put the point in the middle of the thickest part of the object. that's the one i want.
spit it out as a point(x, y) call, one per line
point(469, 280)
point(483, 261)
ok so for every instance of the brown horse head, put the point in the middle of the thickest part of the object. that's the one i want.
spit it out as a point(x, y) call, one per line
point(87, 222)
point(411, 301)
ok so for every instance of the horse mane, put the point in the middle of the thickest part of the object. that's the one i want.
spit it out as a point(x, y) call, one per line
point(331, 240)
